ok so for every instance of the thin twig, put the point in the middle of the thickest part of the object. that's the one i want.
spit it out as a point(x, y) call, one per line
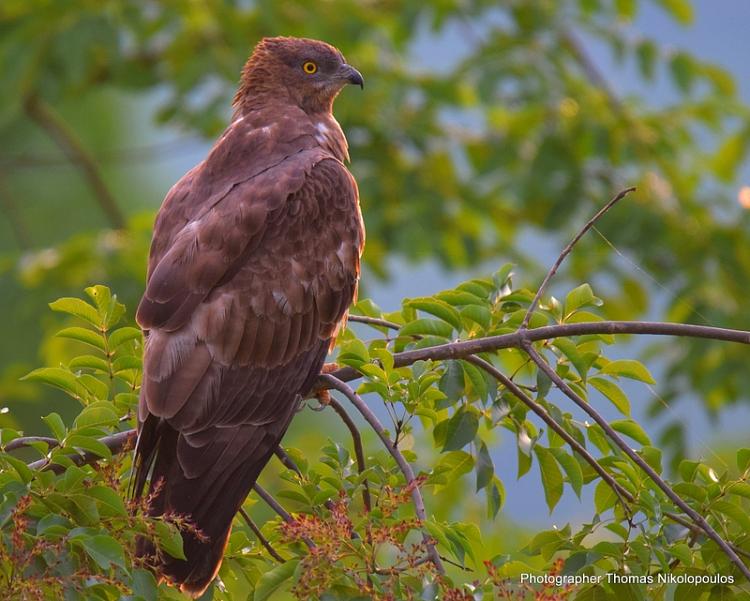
point(276, 506)
point(287, 461)
point(69, 143)
point(403, 464)
point(259, 535)
point(272, 503)
point(637, 459)
point(566, 251)
point(694, 528)
point(358, 450)
point(374, 321)
point(622, 493)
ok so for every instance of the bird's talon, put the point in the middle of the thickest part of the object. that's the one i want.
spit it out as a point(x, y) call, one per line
point(324, 397)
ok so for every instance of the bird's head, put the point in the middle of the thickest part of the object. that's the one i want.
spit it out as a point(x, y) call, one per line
point(308, 73)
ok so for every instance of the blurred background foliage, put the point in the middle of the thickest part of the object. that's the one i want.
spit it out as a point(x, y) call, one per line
point(486, 130)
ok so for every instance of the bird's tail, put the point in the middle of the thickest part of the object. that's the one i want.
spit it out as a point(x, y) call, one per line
point(203, 481)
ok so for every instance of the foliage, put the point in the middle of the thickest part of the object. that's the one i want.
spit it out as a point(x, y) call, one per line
point(69, 529)
point(481, 121)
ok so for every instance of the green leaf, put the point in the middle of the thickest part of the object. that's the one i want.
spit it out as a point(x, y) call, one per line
point(452, 380)
point(682, 10)
point(110, 503)
point(628, 368)
point(495, 497)
point(571, 467)
point(552, 479)
point(59, 378)
point(426, 327)
point(741, 489)
point(104, 550)
point(123, 335)
point(78, 308)
point(485, 468)
point(478, 314)
point(626, 9)
point(83, 335)
point(688, 469)
point(683, 70)
point(144, 585)
point(461, 429)
point(128, 362)
point(646, 54)
point(439, 309)
point(271, 581)
point(612, 392)
point(169, 539)
point(604, 497)
point(736, 513)
point(89, 444)
point(454, 464)
point(476, 380)
point(56, 425)
point(582, 296)
point(743, 460)
point(98, 413)
point(630, 428)
point(730, 155)
point(88, 362)
point(19, 466)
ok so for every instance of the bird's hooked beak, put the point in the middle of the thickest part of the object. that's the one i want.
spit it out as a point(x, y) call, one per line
point(351, 75)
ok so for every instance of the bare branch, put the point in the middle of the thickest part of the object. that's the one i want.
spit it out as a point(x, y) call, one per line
point(68, 142)
point(358, 450)
point(259, 535)
point(637, 459)
point(406, 469)
point(566, 251)
point(276, 506)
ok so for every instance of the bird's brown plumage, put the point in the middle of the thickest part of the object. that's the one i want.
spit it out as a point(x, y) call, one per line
point(254, 263)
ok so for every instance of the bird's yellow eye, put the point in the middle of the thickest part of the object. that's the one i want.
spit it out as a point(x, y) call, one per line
point(309, 67)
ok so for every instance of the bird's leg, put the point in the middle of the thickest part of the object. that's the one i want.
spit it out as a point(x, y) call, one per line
point(323, 395)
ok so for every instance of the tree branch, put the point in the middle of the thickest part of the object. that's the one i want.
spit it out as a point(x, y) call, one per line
point(464, 348)
point(116, 443)
point(259, 535)
point(406, 469)
point(358, 450)
point(67, 141)
point(26, 441)
point(637, 459)
point(622, 493)
point(566, 251)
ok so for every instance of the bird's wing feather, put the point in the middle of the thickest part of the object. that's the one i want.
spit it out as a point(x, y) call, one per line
point(242, 303)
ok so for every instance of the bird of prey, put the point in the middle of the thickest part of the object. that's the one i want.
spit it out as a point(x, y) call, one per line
point(254, 263)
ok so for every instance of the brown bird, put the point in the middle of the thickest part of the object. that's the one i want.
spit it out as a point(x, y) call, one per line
point(254, 263)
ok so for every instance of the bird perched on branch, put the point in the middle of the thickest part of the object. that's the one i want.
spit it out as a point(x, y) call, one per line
point(253, 265)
